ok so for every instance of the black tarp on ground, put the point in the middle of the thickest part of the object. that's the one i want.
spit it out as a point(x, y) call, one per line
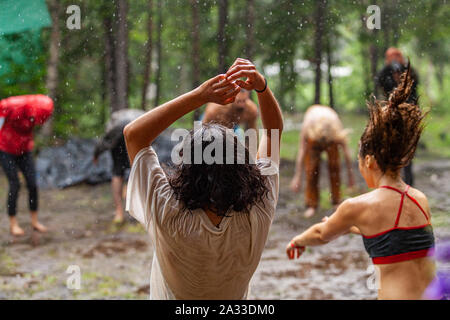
point(71, 164)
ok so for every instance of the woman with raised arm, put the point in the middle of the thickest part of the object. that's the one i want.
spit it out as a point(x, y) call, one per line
point(394, 219)
point(208, 221)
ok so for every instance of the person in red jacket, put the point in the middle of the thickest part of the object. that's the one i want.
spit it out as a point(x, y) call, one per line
point(20, 114)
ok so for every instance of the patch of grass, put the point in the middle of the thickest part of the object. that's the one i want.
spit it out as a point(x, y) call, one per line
point(135, 228)
point(7, 264)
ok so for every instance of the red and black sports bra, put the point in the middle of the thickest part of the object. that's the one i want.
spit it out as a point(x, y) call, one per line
point(400, 243)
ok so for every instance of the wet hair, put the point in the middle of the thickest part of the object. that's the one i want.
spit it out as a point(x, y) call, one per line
point(394, 128)
point(221, 188)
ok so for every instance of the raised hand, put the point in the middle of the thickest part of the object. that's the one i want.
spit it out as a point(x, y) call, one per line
point(219, 90)
point(243, 68)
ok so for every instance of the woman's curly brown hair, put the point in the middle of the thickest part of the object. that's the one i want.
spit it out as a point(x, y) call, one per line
point(394, 128)
point(221, 188)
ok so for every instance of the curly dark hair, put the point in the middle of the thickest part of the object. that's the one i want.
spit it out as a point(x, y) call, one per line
point(394, 128)
point(219, 187)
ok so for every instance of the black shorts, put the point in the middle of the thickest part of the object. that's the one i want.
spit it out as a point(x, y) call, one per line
point(120, 159)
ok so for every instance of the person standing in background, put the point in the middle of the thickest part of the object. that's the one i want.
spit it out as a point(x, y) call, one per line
point(388, 79)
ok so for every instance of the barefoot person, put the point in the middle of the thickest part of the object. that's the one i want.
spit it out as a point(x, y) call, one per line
point(322, 131)
point(208, 222)
point(394, 219)
point(242, 112)
point(114, 141)
point(20, 115)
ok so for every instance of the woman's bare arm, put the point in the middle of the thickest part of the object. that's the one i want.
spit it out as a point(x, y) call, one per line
point(341, 222)
point(141, 132)
point(271, 116)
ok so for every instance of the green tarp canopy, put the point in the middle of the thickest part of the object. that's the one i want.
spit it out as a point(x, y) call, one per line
point(21, 52)
point(20, 15)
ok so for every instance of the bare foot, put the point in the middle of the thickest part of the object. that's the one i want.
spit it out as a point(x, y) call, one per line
point(118, 219)
point(16, 230)
point(39, 227)
point(309, 212)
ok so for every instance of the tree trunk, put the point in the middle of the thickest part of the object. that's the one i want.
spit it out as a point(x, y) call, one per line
point(52, 67)
point(110, 63)
point(195, 53)
point(373, 54)
point(318, 36)
point(121, 55)
point(148, 56)
point(249, 32)
point(159, 51)
point(221, 35)
point(330, 76)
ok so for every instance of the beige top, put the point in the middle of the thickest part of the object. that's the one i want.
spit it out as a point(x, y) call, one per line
point(193, 258)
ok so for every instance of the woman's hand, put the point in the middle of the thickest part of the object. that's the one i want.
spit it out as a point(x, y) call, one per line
point(292, 248)
point(243, 68)
point(218, 90)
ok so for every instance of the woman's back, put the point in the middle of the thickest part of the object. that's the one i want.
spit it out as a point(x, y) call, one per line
point(397, 234)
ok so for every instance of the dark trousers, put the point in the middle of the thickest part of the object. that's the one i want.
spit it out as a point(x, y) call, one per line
point(120, 159)
point(11, 164)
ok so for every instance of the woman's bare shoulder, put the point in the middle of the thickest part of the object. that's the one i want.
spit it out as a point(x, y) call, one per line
point(360, 203)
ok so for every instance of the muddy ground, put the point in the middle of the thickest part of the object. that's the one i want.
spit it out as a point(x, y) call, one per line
point(115, 261)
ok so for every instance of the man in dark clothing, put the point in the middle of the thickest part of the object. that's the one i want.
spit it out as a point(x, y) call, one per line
point(388, 79)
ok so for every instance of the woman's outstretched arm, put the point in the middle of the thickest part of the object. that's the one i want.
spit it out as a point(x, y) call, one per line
point(141, 132)
point(271, 116)
point(341, 222)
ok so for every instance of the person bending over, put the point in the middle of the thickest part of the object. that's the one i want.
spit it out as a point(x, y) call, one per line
point(21, 114)
point(115, 142)
point(322, 131)
point(208, 221)
point(394, 219)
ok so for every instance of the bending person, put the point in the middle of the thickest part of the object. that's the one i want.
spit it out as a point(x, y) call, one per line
point(394, 219)
point(322, 131)
point(208, 222)
point(20, 115)
point(114, 141)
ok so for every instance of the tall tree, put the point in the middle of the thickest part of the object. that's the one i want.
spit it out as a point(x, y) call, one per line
point(52, 67)
point(222, 35)
point(121, 55)
point(195, 51)
point(250, 29)
point(110, 62)
point(320, 11)
point(148, 56)
point(159, 52)
point(330, 75)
